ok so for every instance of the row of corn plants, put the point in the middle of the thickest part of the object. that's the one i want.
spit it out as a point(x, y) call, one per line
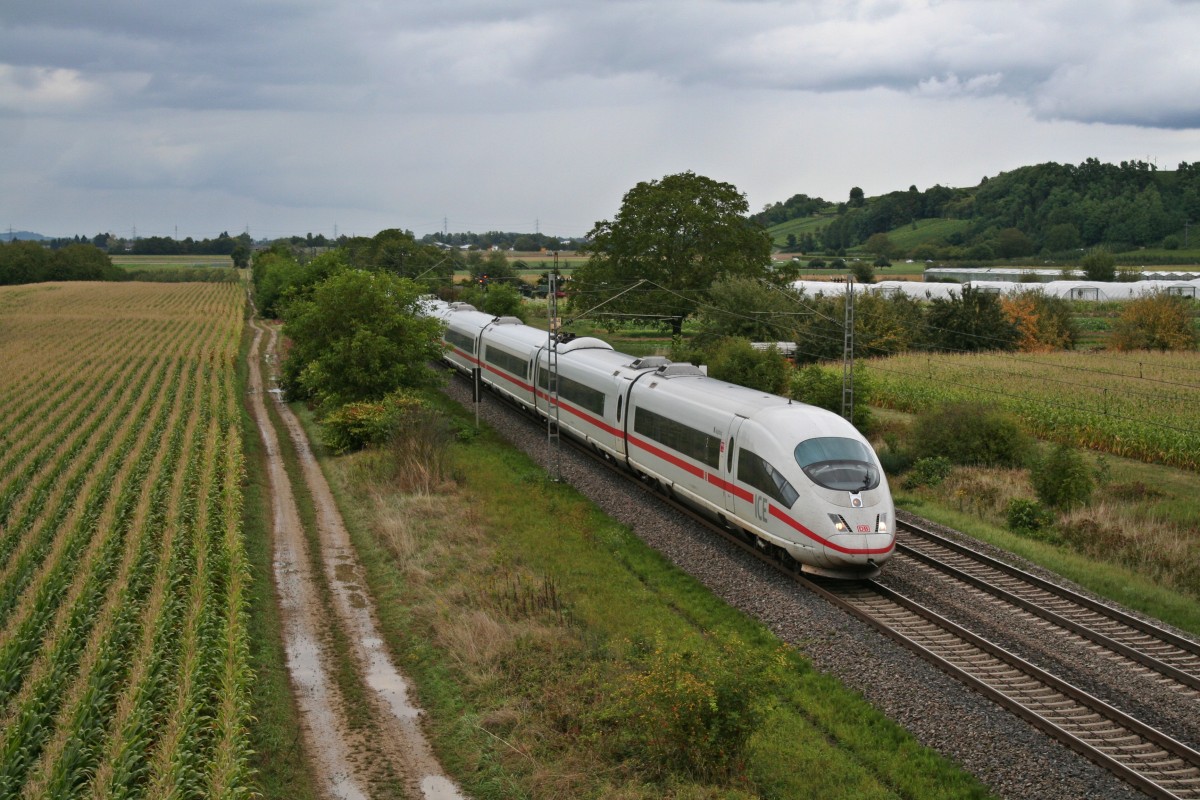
point(32, 376)
point(123, 662)
point(28, 447)
point(89, 699)
point(1136, 405)
point(32, 425)
point(41, 529)
point(74, 602)
point(27, 458)
point(31, 369)
point(32, 601)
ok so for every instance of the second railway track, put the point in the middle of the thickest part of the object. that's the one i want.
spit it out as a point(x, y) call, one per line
point(1168, 654)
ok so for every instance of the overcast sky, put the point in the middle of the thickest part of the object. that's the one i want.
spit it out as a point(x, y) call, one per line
point(293, 116)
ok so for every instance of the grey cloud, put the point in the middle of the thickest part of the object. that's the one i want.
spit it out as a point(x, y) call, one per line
point(397, 113)
point(419, 55)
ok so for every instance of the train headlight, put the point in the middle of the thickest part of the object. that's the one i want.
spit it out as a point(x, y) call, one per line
point(839, 523)
point(881, 524)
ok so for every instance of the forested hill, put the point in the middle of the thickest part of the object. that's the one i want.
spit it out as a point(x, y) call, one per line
point(1046, 208)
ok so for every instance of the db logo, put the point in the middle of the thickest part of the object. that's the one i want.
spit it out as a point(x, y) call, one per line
point(864, 528)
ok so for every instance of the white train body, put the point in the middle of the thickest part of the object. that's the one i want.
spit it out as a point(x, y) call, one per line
point(793, 476)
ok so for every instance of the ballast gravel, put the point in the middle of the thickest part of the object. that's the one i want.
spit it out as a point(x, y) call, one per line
point(1015, 760)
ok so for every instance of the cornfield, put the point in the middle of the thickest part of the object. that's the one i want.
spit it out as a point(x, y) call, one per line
point(123, 580)
point(1141, 405)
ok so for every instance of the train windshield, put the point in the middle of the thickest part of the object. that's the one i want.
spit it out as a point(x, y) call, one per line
point(844, 465)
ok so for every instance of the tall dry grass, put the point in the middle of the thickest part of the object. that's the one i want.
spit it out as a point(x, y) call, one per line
point(1117, 527)
point(1158, 548)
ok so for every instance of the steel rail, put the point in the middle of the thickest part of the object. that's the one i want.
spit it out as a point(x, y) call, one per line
point(1156, 648)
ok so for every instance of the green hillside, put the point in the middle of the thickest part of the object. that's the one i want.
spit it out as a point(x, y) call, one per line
point(798, 227)
point(1045, 212)
point(927, 231)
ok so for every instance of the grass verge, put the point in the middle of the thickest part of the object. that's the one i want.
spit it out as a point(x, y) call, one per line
point(554, 651)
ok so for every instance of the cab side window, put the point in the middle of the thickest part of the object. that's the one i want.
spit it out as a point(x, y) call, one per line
point(755, 472)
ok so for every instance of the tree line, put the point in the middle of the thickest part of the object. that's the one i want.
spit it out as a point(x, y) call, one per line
point(1045, 209)
point(30, 262)
point(23, 261)
point(222, 245)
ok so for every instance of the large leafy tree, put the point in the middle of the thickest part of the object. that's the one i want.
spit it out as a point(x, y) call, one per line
point(358, 336)
point(399, 253)
point(750, 309)
point(680, 234)
point(970, 321)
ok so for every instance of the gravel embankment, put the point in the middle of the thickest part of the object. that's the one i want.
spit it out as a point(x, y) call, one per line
point(1015, 760)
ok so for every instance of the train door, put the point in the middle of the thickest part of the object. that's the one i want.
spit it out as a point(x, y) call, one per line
point(621, 443)
point(540, 382)
point(728, 460)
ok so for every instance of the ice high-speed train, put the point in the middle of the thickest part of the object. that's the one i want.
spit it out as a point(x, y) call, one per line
point(784, 474)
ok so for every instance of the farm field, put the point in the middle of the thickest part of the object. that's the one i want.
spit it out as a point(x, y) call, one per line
point(1139, 405)
point(123, 648)
point(169, 262)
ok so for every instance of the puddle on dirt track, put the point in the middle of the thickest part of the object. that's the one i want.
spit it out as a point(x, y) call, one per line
point(435, 787)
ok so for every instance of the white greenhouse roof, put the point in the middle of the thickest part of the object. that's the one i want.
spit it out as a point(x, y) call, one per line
point(1071, 290)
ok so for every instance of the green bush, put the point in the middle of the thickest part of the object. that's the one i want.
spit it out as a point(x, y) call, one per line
point(1062, 479)
point(1027, 516)
point(1099, 266)
point(929, 471)
point(822, 386)
point(893, 457)
point(692, 712)
point(353, 426)
point(736, 361)
point(500, 299)
point(863, 272)
point(971, 434)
